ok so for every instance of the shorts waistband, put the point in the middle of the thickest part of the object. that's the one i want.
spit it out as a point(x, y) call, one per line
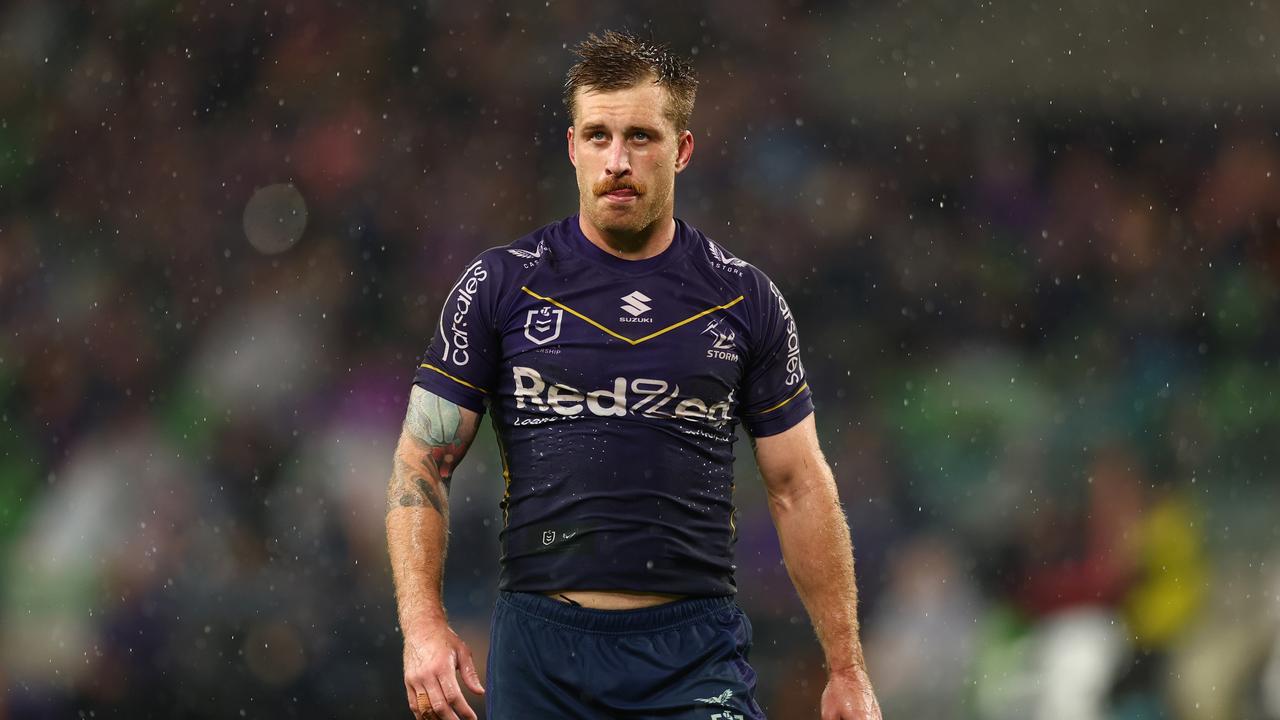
point(649, 619)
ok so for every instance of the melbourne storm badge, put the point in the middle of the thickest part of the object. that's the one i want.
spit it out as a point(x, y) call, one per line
point(542, 326)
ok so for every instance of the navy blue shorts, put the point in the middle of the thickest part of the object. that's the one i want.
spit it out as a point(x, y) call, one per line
point(686, 659)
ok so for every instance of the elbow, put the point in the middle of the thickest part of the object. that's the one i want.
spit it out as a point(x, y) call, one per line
point(787, 492)
point(809, 490)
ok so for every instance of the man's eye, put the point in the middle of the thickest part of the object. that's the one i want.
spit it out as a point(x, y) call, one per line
point(597, 135)
point(641, 136)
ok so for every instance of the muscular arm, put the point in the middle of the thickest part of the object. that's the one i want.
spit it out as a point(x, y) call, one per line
point(818, 554)
point(435, 436)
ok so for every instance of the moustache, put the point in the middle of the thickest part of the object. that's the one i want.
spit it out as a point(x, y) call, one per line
point(605, 187)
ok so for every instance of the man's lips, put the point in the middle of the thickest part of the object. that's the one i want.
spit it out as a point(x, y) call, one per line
point(614, 190)
point(621, 193)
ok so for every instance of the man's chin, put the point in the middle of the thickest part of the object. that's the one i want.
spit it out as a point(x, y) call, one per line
point(622, 221)
point(621, 228)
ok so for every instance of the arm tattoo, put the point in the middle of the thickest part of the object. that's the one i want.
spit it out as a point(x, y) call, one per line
point(410, 498)
point(431, 418)
point(436, 424)
point(433, 427)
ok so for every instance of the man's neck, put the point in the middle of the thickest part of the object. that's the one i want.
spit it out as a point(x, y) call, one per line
point(648, 242)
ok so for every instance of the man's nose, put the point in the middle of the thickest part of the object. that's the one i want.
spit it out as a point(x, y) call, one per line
point(619, 160)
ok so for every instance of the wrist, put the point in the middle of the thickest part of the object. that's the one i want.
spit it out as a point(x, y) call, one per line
point(851, 669)
point(423, 623)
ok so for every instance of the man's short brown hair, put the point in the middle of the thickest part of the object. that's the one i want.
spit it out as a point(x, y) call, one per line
point(616, 61)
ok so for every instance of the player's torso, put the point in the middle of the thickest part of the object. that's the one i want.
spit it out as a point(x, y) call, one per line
point(615, 405)
point(615, 388)
point(581, 343)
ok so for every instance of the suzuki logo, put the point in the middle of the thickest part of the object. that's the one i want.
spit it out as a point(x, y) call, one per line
point(635, 303)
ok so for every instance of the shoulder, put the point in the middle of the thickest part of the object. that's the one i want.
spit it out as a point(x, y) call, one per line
point(518, 259)
point(528, 251)
point(748, 279)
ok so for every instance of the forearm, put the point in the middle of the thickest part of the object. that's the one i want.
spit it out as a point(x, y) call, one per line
point(818, 554)
point(417, 541)
point(434, 439)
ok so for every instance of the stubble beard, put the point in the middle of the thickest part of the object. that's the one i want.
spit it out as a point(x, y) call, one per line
point(628, 230)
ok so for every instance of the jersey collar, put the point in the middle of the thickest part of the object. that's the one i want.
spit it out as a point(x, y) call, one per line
point(585, 248)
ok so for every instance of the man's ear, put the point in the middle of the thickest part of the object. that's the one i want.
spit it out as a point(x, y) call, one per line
point(569, 136)
point(684, 150)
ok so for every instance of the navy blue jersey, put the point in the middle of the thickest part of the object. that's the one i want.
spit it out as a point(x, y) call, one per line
point(615, 388)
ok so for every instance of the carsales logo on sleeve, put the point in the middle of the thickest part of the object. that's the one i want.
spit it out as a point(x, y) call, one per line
point(795, 370)
point(455, 333)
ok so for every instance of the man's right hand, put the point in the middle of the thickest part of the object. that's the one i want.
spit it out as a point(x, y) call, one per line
point(432, 660)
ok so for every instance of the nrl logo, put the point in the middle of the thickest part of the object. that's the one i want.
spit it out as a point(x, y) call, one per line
point(542, 326)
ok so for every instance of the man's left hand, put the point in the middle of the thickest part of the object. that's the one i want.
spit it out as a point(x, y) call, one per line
point(848, 696)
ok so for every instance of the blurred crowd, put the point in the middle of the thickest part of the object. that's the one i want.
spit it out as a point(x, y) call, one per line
point(1039, 343)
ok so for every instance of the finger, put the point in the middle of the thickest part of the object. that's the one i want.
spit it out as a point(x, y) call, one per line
point(469, 674)
point(439, 705)
point(453, 696)
point(411, 696)
point(421, 704)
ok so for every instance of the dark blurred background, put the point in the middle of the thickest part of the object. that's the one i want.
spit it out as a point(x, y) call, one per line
point(1034, 252)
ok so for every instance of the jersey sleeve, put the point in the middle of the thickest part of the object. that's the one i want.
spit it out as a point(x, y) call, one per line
point(775, 392)
point(461, 361)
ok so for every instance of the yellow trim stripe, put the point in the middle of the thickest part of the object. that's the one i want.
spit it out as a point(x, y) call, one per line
point(784, 402)
point(506, 480)
point(455, 379)
point(733, 510)
point(624, 338)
